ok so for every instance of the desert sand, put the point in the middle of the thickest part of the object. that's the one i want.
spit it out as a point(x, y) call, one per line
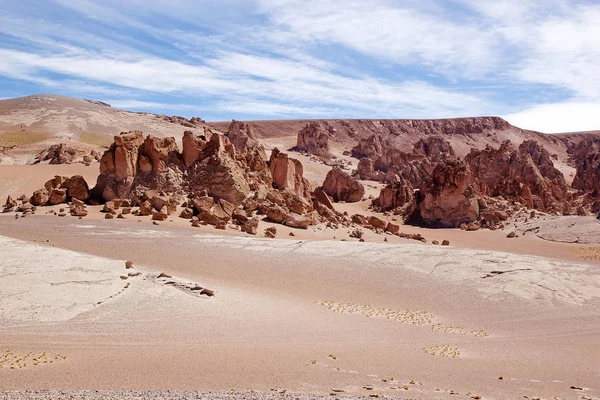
point(304, 316)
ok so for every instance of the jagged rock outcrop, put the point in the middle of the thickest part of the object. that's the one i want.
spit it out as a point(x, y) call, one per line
point(381, 160)
point(448, 197)
point(313, 139)
point(342, 187)
point(526, 174)
point(398, 196)
point(10, 205)
point(586, 157)
point(134, 164)
point(241, 136)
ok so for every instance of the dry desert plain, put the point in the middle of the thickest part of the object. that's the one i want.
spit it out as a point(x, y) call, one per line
point(487, 317)
point(310, 313)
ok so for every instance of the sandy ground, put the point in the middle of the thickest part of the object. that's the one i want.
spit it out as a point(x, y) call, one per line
point(303, 316)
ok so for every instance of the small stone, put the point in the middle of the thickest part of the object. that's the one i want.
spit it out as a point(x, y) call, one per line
point(128, 264)
point(108, 216)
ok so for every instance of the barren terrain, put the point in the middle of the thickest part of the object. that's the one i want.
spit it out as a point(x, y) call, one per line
point(201, 311)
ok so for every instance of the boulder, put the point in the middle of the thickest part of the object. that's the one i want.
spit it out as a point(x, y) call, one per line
point(323, 198)
point(342, 187)
point(57, 196)
point(186, 213)
point(40, 197)
point(398, 196)
point(159, 215)
point(449, 198)
point(276, 214)
point(145, 208)
point(392, 228)
point(314, 139)
point(376, 222)
point(10, 204)
point(271, 232)
point(294, 220)
point(76, 187)
point(202, 204)
point(288, 173)
point(250, 226)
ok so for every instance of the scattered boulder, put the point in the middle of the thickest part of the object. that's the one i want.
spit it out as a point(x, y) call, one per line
point(342, 187)
point(276, 214)
point(294, 220)
point(186, 213)
point(250, 226)
point(10, 205)
point(57, 196)
point(271, 232)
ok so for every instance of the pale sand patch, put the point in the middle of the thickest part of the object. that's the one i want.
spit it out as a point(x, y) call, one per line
point(43, 283)
point(496, 275)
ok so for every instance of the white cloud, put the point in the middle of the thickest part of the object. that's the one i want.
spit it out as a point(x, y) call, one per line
point(253, 78)
point(315, 58)
point(558, 117)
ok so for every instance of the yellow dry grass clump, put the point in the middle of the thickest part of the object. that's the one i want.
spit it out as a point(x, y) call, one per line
point(588, 253)
point(19, 138)
point(97, 139)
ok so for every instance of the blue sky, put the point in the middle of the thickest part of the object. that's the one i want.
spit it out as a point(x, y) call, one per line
point(532, 62)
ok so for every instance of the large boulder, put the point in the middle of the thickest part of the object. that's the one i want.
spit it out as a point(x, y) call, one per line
point(288, 173)
point(77, 188)
point(342, 187)
point(314, 139)
point(294, 220)
point(241, 136)
point(449, 198)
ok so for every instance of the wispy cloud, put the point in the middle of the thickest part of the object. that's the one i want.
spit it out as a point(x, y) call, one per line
point(310, 58)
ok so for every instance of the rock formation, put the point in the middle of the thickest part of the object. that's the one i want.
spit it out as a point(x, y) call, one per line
point(64, 154)
point(288, 174)
point(526, 174)
point(448, 197)
point(342, 187)
point(398, 197)
point(381, 160)
point(313, 139)
point(586, 157)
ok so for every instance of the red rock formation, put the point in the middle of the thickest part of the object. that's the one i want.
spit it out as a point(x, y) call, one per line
point(382, 156)
point(314, 139)
point(66, 154)
point(241, 136)
point(342, 187)
point(586, 157)
point(398, 196)
point(288, 173)
point(449, 197)
point(526, 175)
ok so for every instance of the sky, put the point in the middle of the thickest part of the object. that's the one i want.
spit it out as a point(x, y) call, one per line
point(535, 63)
